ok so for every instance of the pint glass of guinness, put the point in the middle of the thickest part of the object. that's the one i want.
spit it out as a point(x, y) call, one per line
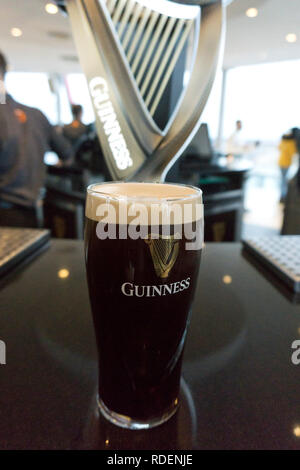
point(143, 245)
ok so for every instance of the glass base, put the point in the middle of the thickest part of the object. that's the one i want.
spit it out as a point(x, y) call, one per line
point(126, 422)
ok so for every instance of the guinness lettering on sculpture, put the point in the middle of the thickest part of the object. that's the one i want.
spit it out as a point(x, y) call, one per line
point(106, 113)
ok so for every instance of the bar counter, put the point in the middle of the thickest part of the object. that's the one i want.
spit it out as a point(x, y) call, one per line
point(240, 388)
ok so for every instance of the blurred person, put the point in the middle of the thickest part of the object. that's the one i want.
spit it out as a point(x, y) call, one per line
point(288, 149)
point(75, 131)
point(296, 133)
point(236, 143)
point(291, 221)
point(25, 136)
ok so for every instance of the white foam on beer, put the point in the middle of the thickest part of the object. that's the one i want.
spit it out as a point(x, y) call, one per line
point(182, 203)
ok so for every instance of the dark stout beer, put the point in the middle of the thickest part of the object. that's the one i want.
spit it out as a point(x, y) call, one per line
point(141, 292)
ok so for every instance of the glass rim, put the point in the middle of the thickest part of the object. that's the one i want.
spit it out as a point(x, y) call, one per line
point(198, 192)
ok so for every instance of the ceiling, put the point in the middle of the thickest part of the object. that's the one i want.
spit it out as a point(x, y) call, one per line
point(261, 39)
point(47, 46)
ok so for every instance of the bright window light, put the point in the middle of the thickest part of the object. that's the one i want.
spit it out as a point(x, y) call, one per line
point(32, 89)
point(265, 97)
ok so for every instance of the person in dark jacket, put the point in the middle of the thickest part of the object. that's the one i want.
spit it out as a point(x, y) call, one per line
point(76, 130)
point(25, 136)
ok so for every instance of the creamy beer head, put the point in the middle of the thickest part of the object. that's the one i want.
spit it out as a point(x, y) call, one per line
point(145, 190)
point(153, 203)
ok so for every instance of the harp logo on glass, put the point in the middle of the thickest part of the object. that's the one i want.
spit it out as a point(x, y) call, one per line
point(106, 113)
point(2, 353)
point(164, 252)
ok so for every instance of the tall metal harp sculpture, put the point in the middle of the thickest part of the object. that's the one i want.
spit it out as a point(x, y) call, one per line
point(129, 50)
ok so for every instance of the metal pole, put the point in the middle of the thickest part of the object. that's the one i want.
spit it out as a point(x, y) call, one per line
point(222, 109)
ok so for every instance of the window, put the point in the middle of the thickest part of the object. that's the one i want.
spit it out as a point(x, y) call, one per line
point(32, 89)
point(265, 97)
point(79, 94)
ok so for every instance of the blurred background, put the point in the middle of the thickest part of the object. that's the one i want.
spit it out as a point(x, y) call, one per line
point(251, 117)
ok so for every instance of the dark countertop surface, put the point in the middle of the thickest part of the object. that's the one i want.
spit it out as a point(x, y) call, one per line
point(240, 388)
